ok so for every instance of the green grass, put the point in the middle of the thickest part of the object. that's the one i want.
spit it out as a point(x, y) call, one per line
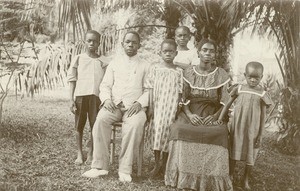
point(37, 146)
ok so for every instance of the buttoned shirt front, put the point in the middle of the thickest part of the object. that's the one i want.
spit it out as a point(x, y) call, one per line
point(124, 81)
point(87, 72)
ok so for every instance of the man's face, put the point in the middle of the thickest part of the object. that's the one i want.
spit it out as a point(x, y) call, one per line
point(131, 44)
point(92, 42)
point(168, 52)
point(207, 53)
point(182, 37)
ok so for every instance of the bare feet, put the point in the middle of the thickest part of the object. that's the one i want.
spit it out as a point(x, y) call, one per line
point(155, 171)
point(89, 159)
point(79, 159)
point(246, 185)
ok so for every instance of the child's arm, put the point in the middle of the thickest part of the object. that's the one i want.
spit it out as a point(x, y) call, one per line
point(72, 78)
point(150, 110)
point(72, 90)
point(261, 127)
point(225, 109)
point(179, 105)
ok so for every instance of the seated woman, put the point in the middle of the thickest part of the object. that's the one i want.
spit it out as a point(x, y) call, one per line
point(198, 154)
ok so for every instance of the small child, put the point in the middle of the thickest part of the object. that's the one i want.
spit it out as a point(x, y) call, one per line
point(185, 56)
point(165, 82)
point(248, 119)
point(84, 76)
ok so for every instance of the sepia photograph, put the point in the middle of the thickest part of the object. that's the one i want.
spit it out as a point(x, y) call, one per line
point(150, 95)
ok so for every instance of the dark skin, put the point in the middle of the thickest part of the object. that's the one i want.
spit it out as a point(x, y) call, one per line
point(130, 45)
point(253, 76)
point(92, 42)
point(206, 55)
point(168, 53)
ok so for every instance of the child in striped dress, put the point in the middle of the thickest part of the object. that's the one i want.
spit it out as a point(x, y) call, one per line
point(165, 83)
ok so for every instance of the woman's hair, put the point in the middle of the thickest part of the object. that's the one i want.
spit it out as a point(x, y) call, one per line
point(204, 41)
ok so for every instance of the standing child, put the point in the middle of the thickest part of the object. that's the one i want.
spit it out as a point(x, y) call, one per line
point(248, 119)
point(165, 82)
point(84, 76)
point(185, 56)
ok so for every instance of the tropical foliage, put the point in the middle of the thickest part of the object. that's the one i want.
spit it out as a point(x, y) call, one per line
point(221, 20)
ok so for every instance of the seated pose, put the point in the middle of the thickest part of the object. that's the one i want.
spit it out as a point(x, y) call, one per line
point(124, 99)
point(85, 75)
point(248, 119)
point(198, 150)
point(165, 87)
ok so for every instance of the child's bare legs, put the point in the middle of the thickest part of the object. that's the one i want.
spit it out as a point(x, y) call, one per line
point(79, 159)
point(90, 149)
point(156, 168)
point(80, 120)
point(231, 168)
point(248, 170)
point(164, 162)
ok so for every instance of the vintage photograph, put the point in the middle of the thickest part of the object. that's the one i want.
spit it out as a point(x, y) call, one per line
point(149, 95)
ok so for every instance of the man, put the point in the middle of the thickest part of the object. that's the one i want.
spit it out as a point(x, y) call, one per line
point(124, 99)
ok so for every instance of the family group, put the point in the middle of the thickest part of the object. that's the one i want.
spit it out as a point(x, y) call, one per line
point(186, 97)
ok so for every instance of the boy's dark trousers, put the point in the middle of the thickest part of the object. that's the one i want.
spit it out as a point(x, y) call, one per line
point(87, 106)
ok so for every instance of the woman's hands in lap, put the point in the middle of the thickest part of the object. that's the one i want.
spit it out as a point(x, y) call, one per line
point(195, 119)
point(209, 120)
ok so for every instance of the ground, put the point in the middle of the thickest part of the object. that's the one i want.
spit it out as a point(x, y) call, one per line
point(37, 146)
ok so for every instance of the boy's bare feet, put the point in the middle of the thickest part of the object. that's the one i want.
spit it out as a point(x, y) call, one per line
point(155, 171)
point(79, 159)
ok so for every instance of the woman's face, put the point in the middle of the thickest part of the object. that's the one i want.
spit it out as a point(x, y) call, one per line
point(207, 53)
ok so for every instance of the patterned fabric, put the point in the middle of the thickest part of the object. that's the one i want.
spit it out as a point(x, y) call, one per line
point(246, 122)
point(167, 85)
point(205, 86)
point(192, 164)
point(198, 166)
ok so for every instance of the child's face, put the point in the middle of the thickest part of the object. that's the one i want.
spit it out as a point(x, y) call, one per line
point(168, 52)
point(131, 44)
point(182, 37)
point(91, 42)
point(253, 76)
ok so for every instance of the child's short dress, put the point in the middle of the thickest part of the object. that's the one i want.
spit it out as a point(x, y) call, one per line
point(167, 84)
point(246, 122)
